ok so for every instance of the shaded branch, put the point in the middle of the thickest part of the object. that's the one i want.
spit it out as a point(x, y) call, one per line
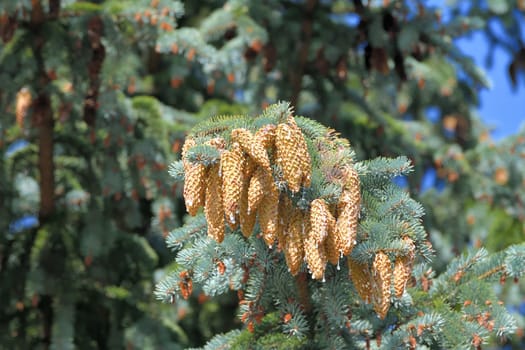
point(98, 53)
point(296, 76)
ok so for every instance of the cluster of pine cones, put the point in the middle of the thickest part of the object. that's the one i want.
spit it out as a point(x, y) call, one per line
point(258, 178)
point(244, 187)
point(374, 283)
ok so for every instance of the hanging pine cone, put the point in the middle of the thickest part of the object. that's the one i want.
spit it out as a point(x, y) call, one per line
point(332, 251)
point(294, 248)
point(23, 102)
point(285, 209)
point(249, 169)
point(266, 135)
point(194, 187)
point(381, 283)
point(320, 217)
point(246, 218)
point(315, 257)
point(256, 190)
point(348, 211)
point(194, 181)
point(360, 276)
point(292, 155)
point(268, 211)
point(252, 147)
point(232, 164)
point(213, 208)
point(403, 268)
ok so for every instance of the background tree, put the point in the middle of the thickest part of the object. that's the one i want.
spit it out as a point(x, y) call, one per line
point(96, 98)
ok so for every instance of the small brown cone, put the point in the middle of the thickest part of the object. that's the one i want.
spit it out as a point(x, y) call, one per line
point(256, 190)
point(23, 102)
point(268, 210)
point(213, 208)
point(292, 155)
point(403, 268)
point(381, 283)
point(217, 142)
point(360, 276)
point(252, 147)
point(232, 164)
point(294, 248)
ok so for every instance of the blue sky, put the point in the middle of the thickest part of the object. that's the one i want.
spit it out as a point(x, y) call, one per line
point(501, 107)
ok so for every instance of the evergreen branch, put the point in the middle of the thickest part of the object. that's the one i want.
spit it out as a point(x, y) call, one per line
point(492, 272)
point(176, 170)
point(196, 227)
point(207, 155)
point(216, 126)
point(221, 341)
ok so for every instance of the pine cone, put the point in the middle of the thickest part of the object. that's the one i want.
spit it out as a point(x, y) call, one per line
point(285, 213)
point(294, 248)
point(348, 212)
point(249, 169)
point(266, 135)
point(268, 210)
point(347, 222)
point(403, 268)
point(360, 276)
point(213, 208)
point(194, 180)
point(194, 186)
point(256, 190)
point(381, 283)
point(304, 155)
point(23, 102)
point(320, 218)
point(315, 257)
point(232, 164)
point(351, 183)
point(252, 147)
point(246, 218)
point(320, 221)
point(333, 253)
point(292, 155)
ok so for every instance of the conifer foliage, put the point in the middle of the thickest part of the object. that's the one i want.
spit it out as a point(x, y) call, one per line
point(314, 241)
point(302, 234)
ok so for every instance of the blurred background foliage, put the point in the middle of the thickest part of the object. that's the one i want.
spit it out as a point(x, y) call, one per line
point(95, 100)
